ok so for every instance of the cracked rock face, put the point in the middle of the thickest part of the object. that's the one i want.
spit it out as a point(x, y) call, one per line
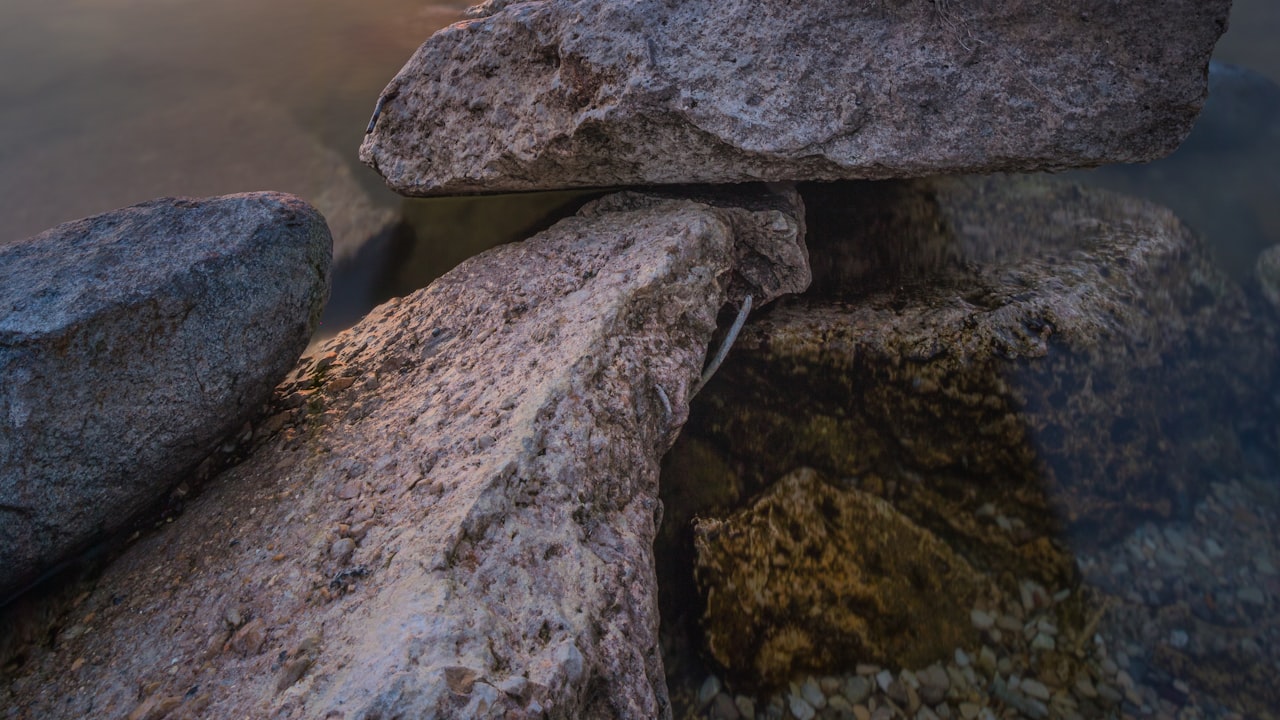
point(455, 514)
point(131, 344)
point(578, 93)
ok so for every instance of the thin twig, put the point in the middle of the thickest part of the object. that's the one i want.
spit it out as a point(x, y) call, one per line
point(724, 346)
point(666, 402)
point(377, 112)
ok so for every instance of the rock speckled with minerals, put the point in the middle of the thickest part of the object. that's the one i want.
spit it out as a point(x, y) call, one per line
point(599, 93)
point(451, 510)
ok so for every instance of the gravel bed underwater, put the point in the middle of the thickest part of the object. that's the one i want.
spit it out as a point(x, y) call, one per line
point(1179, 620)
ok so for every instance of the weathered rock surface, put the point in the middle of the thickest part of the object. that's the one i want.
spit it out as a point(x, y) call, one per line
point(572, 93)
point(454, 517)
point(815, 576)
point(131, 343)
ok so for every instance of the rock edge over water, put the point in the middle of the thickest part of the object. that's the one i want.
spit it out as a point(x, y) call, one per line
point(579, 93)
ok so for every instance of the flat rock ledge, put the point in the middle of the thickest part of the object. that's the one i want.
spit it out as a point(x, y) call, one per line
point(595, 93)
point(131, 344)
point(452, 515)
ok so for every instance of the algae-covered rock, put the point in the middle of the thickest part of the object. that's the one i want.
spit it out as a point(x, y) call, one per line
point(1058, 356)
point(814, 576)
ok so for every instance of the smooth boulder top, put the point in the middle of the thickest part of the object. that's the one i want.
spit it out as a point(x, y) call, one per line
point(131, 343)
point(578, 93)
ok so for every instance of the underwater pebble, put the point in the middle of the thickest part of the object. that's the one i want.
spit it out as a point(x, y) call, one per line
point(1084, 686)
point(838, 703)
point(856, 689)
point(710, 688)
point(1214, 550)
point(723, 708)
point(934, 684)
point(981, 620)
point(801, 709)
point(883, 679)
point(813, 694)
point(1251, 595)
point(1109, 694)
point(1034, 688)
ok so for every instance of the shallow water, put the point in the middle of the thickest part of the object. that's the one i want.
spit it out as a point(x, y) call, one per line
point(105, 103)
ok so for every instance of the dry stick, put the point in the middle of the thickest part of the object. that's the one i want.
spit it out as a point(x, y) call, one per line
point(377, 112)
point(724, 346)
point(666, 402)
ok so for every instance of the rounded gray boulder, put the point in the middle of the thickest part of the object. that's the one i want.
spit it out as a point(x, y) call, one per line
point(131, 344)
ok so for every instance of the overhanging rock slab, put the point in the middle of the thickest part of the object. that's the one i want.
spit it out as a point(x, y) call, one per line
point(579, 93)
point(455, 515)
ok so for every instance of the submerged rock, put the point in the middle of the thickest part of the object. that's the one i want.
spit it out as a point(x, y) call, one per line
point(1221, 181)
point(1009, 362)
point(454, 515)
point(1066, 354)
point(812, 575)
point(573, 93)
point(131, 344)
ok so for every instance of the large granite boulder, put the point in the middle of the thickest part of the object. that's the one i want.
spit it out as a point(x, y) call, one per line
point(131, 344)
point(1073, 348)
point(572, 93)
point(452, 512)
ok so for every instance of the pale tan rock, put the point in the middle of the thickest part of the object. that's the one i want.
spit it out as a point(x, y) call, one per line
point(580, 93)
point(505, 473)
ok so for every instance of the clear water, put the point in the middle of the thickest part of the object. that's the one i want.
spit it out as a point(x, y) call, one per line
point(104, 103)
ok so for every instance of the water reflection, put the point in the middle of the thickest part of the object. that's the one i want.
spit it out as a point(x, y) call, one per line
point(105, 104)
